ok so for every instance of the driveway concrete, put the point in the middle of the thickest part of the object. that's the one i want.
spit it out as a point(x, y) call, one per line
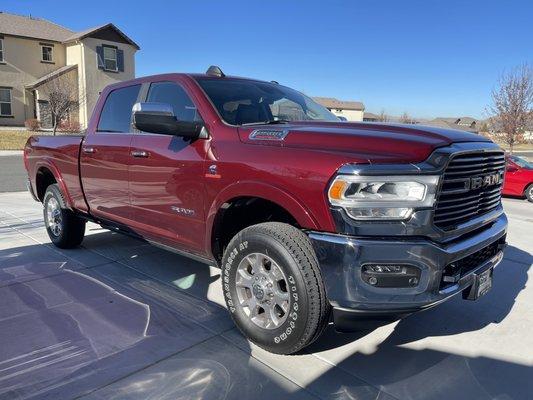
point(120, 319)
point(13, 175)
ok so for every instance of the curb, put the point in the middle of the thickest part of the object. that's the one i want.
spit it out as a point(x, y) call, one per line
point(11, 153)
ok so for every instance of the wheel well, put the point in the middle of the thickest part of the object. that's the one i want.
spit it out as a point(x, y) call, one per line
point(239, 213)
point(44, 179)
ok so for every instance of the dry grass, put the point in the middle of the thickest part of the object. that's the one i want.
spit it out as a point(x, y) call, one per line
point(14, 140)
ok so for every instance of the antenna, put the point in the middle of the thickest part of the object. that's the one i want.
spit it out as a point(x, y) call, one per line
point(213, 70)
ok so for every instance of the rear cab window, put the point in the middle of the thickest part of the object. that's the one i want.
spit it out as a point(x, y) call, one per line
point(116, 113)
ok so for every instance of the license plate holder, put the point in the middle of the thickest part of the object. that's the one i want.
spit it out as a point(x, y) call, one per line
point(481, 286)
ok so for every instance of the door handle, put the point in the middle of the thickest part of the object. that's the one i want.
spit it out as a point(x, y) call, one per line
point(140, 154)
point(89, 150)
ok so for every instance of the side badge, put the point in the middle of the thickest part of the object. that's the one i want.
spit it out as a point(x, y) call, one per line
point(268, 134)
point(183, 211)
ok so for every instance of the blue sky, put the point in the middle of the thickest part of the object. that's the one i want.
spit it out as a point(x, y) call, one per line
point(427, 58)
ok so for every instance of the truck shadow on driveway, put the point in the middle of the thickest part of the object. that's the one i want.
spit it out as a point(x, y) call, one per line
point(404, 366)
point(145, 323)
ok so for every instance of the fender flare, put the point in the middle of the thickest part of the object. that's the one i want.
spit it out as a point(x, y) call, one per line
point(49, 164)
point(264, 191)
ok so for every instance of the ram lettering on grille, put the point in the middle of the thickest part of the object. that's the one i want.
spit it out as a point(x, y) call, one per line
point(471, 186)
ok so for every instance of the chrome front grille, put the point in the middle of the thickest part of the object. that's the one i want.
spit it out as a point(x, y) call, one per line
point(471, 186)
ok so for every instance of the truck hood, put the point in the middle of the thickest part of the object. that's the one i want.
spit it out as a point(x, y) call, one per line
point(368, 142)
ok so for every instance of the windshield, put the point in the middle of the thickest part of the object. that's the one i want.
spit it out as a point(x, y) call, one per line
point(521, 162)
point(247, 102)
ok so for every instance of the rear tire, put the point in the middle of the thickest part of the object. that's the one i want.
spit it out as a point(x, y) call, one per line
point(529, 192)
point(65, 229)
point(273, 287)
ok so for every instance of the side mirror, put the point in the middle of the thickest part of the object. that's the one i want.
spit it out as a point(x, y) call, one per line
point(160, 118)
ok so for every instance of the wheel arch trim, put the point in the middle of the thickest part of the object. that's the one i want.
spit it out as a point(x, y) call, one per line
point(263, 191)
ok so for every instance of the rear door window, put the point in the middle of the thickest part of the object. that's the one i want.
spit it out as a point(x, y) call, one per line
point(116, 113)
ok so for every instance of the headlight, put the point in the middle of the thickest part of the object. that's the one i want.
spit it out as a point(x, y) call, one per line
point(382, 197)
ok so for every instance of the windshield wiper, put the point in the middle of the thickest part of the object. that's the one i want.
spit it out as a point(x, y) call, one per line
point(269, 122)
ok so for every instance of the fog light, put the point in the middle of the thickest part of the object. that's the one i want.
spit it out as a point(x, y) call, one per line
point(390, 275)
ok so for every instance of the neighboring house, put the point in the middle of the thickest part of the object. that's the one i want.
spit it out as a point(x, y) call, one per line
point(468, 124)
point(351, 110)
point(370, 117)
point(35, 52)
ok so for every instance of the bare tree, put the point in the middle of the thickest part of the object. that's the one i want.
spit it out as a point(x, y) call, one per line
point(62, 96)
point(382, 117)
point(512, 102)
point(406, 119)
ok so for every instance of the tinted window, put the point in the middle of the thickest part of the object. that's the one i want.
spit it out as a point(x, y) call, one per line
point(173, 94)
point(116, 114)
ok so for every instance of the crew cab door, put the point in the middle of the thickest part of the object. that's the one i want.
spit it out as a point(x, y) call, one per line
point(105, 157)
point(167, 176)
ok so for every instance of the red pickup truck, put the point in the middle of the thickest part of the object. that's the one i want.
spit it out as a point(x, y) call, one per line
point(309, 218)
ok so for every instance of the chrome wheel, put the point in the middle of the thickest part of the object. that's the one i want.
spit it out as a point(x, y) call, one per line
point(262, 290)
point(53, 216)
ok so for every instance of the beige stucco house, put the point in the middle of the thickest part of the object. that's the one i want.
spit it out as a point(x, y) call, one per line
point(36, 54)
point(351, 110)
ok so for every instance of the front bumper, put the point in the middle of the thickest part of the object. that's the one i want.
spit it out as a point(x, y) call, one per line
point(341, 258)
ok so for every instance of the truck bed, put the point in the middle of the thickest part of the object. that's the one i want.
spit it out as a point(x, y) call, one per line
point(60, 156)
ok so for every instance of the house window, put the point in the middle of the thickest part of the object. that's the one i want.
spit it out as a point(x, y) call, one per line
point(1, 50)
point(5, 102)
point(47, 53)
point(110, 59)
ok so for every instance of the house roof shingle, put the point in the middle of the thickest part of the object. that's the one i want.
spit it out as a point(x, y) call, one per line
point(88, 32)
point(50, 76)
point(460, 123)
point(331, 102)
point(369, 115)
point(37, 28)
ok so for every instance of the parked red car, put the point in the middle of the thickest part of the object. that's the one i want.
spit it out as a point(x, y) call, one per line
point(518, 178)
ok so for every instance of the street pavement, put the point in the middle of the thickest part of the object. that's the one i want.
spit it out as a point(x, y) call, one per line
point(120, 319)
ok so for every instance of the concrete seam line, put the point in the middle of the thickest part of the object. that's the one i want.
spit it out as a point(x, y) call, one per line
point(147, 366)
point(265, 364)
point(354, 375)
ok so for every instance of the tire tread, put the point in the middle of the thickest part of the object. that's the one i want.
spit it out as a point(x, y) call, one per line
point(300, 248)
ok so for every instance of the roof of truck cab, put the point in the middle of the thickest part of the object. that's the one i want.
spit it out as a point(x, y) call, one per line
point(173, 75)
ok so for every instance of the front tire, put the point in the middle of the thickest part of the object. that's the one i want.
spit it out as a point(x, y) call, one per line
point(65, 229)
point(273, 287)
point(529, 192)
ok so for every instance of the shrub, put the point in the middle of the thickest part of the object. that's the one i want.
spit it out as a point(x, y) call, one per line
point(32, 124)
point(69, 126)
